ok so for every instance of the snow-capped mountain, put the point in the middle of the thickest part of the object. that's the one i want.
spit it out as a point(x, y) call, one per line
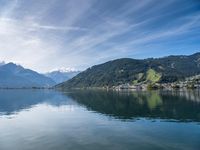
point(66, 70)
point(15, 76)
point(62, 74)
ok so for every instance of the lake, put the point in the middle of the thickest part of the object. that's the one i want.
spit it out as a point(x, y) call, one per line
point(99, 120)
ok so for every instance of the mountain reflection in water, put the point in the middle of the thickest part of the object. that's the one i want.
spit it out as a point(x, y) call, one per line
point(170, 105)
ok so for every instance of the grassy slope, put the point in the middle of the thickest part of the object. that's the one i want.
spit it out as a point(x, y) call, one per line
point(153, 76)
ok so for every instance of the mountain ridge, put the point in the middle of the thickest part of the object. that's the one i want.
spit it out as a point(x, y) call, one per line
point(16, 76)
point(60, 76)
point(127, 70)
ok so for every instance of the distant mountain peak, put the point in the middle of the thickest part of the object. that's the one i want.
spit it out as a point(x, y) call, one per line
point(13, 64)
point(15, 76)
point(63, 74)
point(12, 67)
point(2, 63)
point(63, 70)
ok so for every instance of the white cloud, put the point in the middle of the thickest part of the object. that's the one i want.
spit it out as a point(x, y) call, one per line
point(76, 33)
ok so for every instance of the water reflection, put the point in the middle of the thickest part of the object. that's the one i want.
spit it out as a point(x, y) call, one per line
point(13, 101)
point(179, 106)
point(174, 105)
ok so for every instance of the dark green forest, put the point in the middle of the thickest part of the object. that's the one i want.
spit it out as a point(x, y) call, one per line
point(134, 71)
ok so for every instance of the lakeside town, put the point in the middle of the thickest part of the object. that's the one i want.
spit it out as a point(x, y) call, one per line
point(188, 83)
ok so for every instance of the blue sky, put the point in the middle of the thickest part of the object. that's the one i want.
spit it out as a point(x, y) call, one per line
point(48, 34)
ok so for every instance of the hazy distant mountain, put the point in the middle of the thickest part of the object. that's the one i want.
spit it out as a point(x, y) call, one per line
point(2, 63)
point(127, 70)
point(60, 76)
point(15, 76)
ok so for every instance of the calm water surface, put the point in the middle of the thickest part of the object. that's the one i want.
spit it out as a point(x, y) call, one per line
point(99, 120)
